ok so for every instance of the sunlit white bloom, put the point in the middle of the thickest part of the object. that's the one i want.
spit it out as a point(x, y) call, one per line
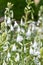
point(38, 22)
point(11, 28)
point(19, 38)
point(4, 63)
point(17, 58)
point(33, 27)
point(15, 25)
point(22, 30)
point(37, 53)
point(8, 21)
point(8, 55)
point(35, 44)
point(39, 63)
point(31, 51)
point(14, 47)
point(18, 29)
point(36, 61)
point(28, 33)
point(22, 23)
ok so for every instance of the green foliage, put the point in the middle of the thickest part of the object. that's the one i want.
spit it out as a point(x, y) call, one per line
point(18, 7)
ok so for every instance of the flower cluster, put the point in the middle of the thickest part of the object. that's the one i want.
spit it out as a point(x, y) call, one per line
point(21, 43)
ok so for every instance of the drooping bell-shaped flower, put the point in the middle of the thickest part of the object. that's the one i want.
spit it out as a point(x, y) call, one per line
point(28, 33)
point(31, 51)
point(13, 48)
point(8, 20)
point(22, 23)
point(19, 38)
point(15, 25)
point(18, 29)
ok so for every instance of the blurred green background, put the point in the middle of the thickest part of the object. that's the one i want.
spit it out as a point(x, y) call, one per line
point(18, 8)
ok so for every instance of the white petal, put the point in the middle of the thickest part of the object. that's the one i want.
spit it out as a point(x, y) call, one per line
point(28, 33)
point(18, 29)
point(8, 55)
point(14, 47)
point(19, 38)
point(31, 51)
point(22, 23)
point(8, 20)
point(15, 25)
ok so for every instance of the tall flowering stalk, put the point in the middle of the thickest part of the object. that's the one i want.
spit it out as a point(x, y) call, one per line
point(21, 43)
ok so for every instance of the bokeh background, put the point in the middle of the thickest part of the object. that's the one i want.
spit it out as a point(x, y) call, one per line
point(18, 8)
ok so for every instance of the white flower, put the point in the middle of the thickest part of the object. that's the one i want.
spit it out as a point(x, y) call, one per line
point(28, 33)
point(8, 55)
point(35, 44)
point(14, 47)
point(4, 63)
point(15, 25)
point(22, 30)
point(19, 38)
point(18, 29)
point(11, 28)
point(5, 47)
point(31, 51)
point(17, 57)
point(22, 23)
point(8, 21)
point(37, 53)
point(38, 22)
